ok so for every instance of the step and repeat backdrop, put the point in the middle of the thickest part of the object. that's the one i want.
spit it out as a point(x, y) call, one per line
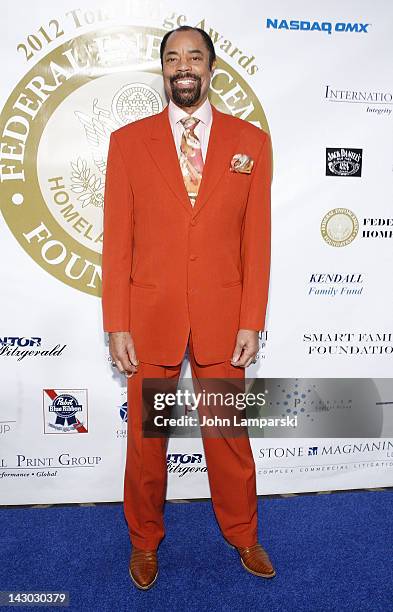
point(318, 78)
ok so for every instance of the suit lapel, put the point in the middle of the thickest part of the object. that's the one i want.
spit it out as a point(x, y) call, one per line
point(162, 148)
point(221, 140)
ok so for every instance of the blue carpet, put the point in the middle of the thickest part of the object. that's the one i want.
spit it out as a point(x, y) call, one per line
point(331, 553)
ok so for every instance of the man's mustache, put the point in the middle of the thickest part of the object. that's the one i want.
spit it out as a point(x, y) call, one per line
point(188, 75)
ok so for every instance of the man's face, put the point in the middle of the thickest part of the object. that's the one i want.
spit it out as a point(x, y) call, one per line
point(186, 69)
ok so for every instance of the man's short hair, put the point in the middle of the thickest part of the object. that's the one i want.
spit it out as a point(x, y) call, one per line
point(185, 28)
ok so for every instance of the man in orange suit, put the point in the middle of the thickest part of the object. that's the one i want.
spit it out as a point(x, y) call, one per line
point(186, 261)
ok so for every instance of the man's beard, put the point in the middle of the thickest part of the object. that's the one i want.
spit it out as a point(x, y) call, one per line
point(186, 96)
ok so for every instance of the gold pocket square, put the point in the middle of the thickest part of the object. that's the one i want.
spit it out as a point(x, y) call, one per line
point(241, 162)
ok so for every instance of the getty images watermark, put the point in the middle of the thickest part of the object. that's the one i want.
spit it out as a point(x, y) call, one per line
point(268, 407)
point(192, 401)
point(219, 407)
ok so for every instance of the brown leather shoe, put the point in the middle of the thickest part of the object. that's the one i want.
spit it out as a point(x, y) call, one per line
point(256, 561)
point(143, 567)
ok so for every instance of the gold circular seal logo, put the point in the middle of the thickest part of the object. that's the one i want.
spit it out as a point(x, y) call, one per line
point(55, 129)
point(339, 227)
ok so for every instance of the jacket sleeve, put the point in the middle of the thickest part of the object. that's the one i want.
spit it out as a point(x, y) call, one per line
point(256, 243)
point(117, 242)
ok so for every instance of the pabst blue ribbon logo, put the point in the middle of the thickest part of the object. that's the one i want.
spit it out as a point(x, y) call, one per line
point(65, 411)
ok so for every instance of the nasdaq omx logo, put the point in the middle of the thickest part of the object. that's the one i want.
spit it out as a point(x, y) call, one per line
point(320, 26)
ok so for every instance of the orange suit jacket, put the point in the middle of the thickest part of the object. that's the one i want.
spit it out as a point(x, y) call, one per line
point(169, 267)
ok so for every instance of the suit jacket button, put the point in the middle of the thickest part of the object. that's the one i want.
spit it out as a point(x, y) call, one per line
point(193, 257)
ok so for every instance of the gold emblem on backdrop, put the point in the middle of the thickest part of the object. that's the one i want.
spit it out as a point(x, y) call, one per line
point(55, 129)
point(339, 227)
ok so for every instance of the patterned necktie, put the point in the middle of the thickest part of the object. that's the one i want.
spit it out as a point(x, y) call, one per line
point(191, 160)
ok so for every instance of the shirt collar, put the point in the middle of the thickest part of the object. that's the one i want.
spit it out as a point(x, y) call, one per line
point(203, 113)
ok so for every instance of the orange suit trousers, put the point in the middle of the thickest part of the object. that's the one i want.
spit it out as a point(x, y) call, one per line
point(229, 460)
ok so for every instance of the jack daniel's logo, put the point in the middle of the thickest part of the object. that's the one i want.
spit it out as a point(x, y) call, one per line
point(344, 162)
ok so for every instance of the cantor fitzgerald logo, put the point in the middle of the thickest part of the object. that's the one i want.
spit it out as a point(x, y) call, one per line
point(339, 227)
point(55, 130)
point(181, 464)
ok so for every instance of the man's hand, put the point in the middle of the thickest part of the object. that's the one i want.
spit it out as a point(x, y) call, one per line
point(122, 350)
point(247, 345)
